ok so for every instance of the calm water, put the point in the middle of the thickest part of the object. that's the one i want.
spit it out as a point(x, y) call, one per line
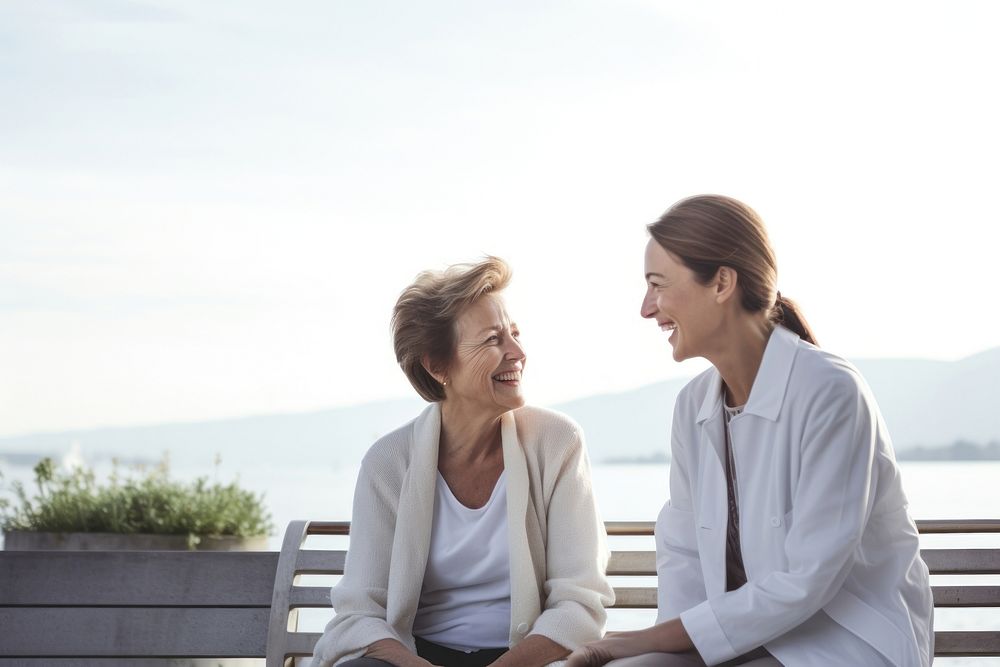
point(936, 490)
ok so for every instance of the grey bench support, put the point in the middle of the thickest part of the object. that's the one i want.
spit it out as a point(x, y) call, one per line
point(140, 609)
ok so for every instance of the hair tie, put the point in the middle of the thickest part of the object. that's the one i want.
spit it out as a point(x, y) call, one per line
point(779, 296)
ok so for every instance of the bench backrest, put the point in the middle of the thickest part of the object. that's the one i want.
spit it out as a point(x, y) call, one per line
point(92, 606)
point(285, 642)
point(87, 608)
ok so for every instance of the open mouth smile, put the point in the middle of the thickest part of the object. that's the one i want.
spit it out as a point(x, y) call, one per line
point(508, 377)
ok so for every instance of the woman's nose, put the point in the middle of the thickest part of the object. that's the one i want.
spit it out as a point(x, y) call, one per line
point(514, 349)
point(648, 307)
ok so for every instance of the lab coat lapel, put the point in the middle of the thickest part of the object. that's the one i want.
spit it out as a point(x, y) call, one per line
point(713, 512)
point(766, 398)
point(713, 434)
point(769, 387)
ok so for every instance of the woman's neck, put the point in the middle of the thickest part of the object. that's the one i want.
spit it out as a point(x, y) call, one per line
point(738, 359)
point(468, 436)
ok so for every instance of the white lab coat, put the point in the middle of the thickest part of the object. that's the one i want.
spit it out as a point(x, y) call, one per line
point(830, 551)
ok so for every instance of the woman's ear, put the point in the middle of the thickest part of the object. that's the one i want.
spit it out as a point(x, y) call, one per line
point(432, 369)
point(726, 280)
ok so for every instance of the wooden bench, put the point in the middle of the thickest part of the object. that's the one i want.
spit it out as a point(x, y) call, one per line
point(285, 642)
point(86, 608)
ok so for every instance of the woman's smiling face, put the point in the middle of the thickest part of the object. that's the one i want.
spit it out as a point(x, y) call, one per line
point(678, 302)
point(485, 373)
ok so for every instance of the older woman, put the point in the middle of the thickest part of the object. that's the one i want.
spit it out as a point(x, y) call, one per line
point(475, 538)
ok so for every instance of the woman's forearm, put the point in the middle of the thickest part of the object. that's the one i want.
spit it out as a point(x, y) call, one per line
point(533, 651)
point(391, 651)
point(667, 637)
point(672, 637)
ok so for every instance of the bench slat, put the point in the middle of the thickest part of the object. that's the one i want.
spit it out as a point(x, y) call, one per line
point(962, 561)
point(953, 526)
point(982, 643)
point(947, 643)
point(643, 563)
point(320, 562)
point(637, 597)
point(939, 561)
point(632, 563)
point(103, 662)
point(924, 526)
point(318, 597)
point(631, 597)
point(966, 596)
point(301, 643)
point(131, 631)
point(136, 578)
point(313, 597)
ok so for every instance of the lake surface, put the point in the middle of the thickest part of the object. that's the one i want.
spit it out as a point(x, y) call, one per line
point(936, 490)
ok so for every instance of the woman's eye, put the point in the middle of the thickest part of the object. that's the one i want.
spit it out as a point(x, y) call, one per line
point(493, 339)
point(515, 334)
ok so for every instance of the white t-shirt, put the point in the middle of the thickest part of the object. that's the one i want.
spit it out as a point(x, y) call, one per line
point(465, 600)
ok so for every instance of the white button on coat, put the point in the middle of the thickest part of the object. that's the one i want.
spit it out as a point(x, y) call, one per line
point(522, 628)
point(775, 521)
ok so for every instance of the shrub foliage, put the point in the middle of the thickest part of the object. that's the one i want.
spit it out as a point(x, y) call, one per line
point(152, 503)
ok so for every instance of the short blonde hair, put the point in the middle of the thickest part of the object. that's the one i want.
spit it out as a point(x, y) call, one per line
point(423, 320)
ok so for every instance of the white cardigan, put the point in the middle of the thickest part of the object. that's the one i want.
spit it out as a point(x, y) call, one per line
point(558, 551)
point(831, 554)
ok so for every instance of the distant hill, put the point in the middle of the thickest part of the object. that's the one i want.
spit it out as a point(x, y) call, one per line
point(929, 404)
point(629, 425)
point(336, 437)
point(925, 403)
point(935, 403)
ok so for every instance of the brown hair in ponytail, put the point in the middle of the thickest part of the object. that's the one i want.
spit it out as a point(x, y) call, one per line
point(707, 232)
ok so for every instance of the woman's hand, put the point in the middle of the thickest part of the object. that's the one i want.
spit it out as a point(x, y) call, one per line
point(391, 651)
point(533, 651)
point(668, 637)
point(615, 645)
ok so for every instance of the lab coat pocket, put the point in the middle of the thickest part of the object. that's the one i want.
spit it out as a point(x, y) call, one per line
point(772, 544)
point(675, 530)
point(870, 625)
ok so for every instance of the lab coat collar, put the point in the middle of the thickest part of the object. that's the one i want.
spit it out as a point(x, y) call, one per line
point(768, 391)
point(711, 405)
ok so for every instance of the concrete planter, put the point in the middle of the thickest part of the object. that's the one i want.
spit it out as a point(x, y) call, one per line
point(25, 540)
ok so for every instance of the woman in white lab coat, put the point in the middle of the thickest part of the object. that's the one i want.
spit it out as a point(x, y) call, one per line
point(786, 539)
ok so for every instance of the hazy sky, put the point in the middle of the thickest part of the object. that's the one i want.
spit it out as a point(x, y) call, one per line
point(208, 209)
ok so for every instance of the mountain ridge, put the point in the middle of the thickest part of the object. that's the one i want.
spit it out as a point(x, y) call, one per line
point(925, 403)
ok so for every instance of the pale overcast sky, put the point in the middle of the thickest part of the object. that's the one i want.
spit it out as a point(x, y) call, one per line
point(207, 209)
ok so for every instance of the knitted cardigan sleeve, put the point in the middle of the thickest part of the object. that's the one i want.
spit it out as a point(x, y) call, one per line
point(361, 595)
point(576, 588)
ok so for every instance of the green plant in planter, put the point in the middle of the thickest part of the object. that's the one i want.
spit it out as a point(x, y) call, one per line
point(152, 504)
